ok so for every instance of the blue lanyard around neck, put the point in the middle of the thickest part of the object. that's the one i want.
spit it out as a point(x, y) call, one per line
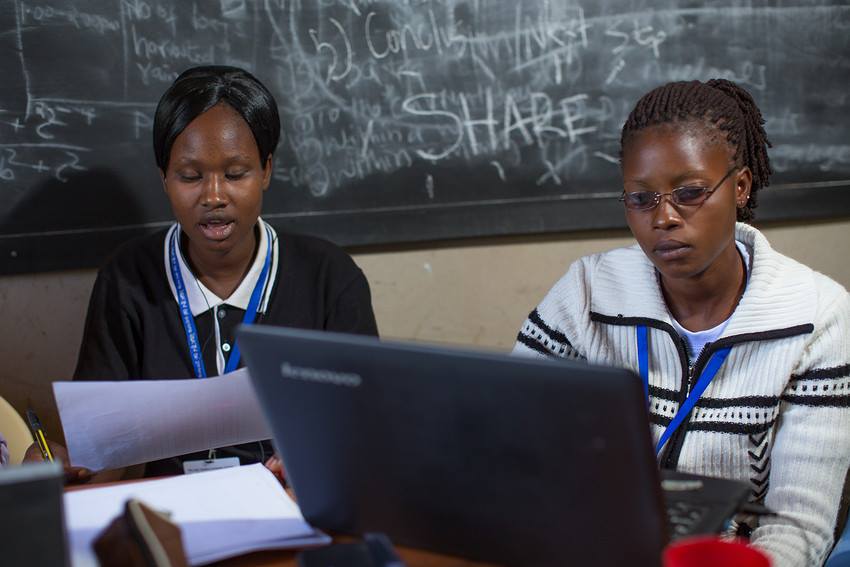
point(189, 320)
point(705, 378)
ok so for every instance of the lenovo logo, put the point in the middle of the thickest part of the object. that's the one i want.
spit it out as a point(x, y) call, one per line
point(321, 375)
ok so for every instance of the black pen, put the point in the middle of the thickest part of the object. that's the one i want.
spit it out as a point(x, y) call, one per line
point(38, 435)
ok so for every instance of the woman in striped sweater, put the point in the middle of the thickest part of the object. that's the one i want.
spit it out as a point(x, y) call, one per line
point(745, 352)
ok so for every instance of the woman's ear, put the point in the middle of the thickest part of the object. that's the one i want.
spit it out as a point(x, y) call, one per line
point(743, 184)
point(162, 179)
point(267, 172)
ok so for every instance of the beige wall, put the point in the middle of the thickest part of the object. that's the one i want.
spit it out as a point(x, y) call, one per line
point(470, 293)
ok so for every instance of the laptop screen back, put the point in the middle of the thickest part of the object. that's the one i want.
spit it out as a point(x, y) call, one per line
point(32, 528)
point(486, 456)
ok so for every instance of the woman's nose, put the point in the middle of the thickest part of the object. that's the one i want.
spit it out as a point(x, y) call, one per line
point(666, 215)
point(213, 192)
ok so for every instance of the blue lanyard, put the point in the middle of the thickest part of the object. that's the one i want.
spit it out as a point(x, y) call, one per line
point(253, 304)
point(705, 378)
point(189, 320)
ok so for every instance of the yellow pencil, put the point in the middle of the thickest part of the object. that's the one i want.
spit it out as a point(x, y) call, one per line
point(38, 435)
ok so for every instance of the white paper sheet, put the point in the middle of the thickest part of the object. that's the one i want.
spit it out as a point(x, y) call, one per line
point(221, 513)
point(117, 424)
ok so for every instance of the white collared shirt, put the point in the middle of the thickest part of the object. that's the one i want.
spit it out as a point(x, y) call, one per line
point(202, 299)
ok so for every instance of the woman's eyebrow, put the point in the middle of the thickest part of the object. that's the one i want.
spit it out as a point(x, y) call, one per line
point(674, 181)
point(228, 160)
point(690, 174)
point(638, 181)
point(240, 157)
point(185, 160)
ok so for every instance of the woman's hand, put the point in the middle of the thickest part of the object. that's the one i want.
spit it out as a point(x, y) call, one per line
point(275, 465)
point(73, 475)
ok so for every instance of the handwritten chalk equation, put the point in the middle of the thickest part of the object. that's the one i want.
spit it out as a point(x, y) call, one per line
point(57, 160)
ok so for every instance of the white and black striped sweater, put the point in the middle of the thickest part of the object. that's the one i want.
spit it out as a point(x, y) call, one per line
point(777, 414)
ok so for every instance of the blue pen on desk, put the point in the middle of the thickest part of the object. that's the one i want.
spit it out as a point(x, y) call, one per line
point(38, 435)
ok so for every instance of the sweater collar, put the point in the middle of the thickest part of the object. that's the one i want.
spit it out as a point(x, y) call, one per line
point(778, 293)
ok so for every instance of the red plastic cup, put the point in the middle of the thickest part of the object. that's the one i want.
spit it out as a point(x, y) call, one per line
point(713, 552)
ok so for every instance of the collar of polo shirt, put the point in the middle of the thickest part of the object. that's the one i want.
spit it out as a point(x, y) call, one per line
point(202, 299)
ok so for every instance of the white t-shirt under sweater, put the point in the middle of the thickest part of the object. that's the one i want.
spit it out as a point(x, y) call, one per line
point(777, 413)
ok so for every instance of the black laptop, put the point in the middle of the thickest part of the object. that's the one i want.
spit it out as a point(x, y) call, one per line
point(486, 456)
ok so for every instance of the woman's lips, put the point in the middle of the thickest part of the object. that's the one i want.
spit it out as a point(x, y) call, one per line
point(216, 229)
point(671, 249)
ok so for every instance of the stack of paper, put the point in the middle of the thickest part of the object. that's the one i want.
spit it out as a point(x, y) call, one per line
point(221, 513)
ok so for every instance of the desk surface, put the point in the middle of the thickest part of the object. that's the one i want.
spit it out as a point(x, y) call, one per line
point(411, 557)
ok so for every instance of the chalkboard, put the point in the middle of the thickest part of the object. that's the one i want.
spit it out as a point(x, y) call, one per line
point(403, 120)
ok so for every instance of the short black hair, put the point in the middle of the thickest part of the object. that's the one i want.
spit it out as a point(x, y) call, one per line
point(197, 90)
point(718, 104)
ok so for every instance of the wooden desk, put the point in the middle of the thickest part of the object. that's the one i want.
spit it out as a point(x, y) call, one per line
point(411, 558)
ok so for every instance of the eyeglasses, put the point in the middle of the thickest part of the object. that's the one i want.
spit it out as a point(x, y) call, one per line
point(690, 196)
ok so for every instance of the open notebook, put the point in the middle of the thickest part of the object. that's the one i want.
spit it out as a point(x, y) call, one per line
point(221, 513)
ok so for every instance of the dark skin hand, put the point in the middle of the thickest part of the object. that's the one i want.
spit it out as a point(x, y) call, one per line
point(275, 465)
point(73, 475)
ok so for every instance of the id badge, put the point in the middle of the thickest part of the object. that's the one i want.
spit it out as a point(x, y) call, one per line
point(190, 467)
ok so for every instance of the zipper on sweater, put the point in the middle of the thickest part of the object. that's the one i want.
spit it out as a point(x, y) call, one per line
point(677, 440)
point(696, 368)
point(669, 458)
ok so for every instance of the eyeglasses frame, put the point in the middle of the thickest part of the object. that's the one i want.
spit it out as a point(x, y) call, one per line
point(660, 196)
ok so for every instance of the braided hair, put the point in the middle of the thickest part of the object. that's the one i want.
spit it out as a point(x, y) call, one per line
point(722, 108)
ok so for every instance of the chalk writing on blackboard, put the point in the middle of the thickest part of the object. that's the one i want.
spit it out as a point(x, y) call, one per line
point(405, 104)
